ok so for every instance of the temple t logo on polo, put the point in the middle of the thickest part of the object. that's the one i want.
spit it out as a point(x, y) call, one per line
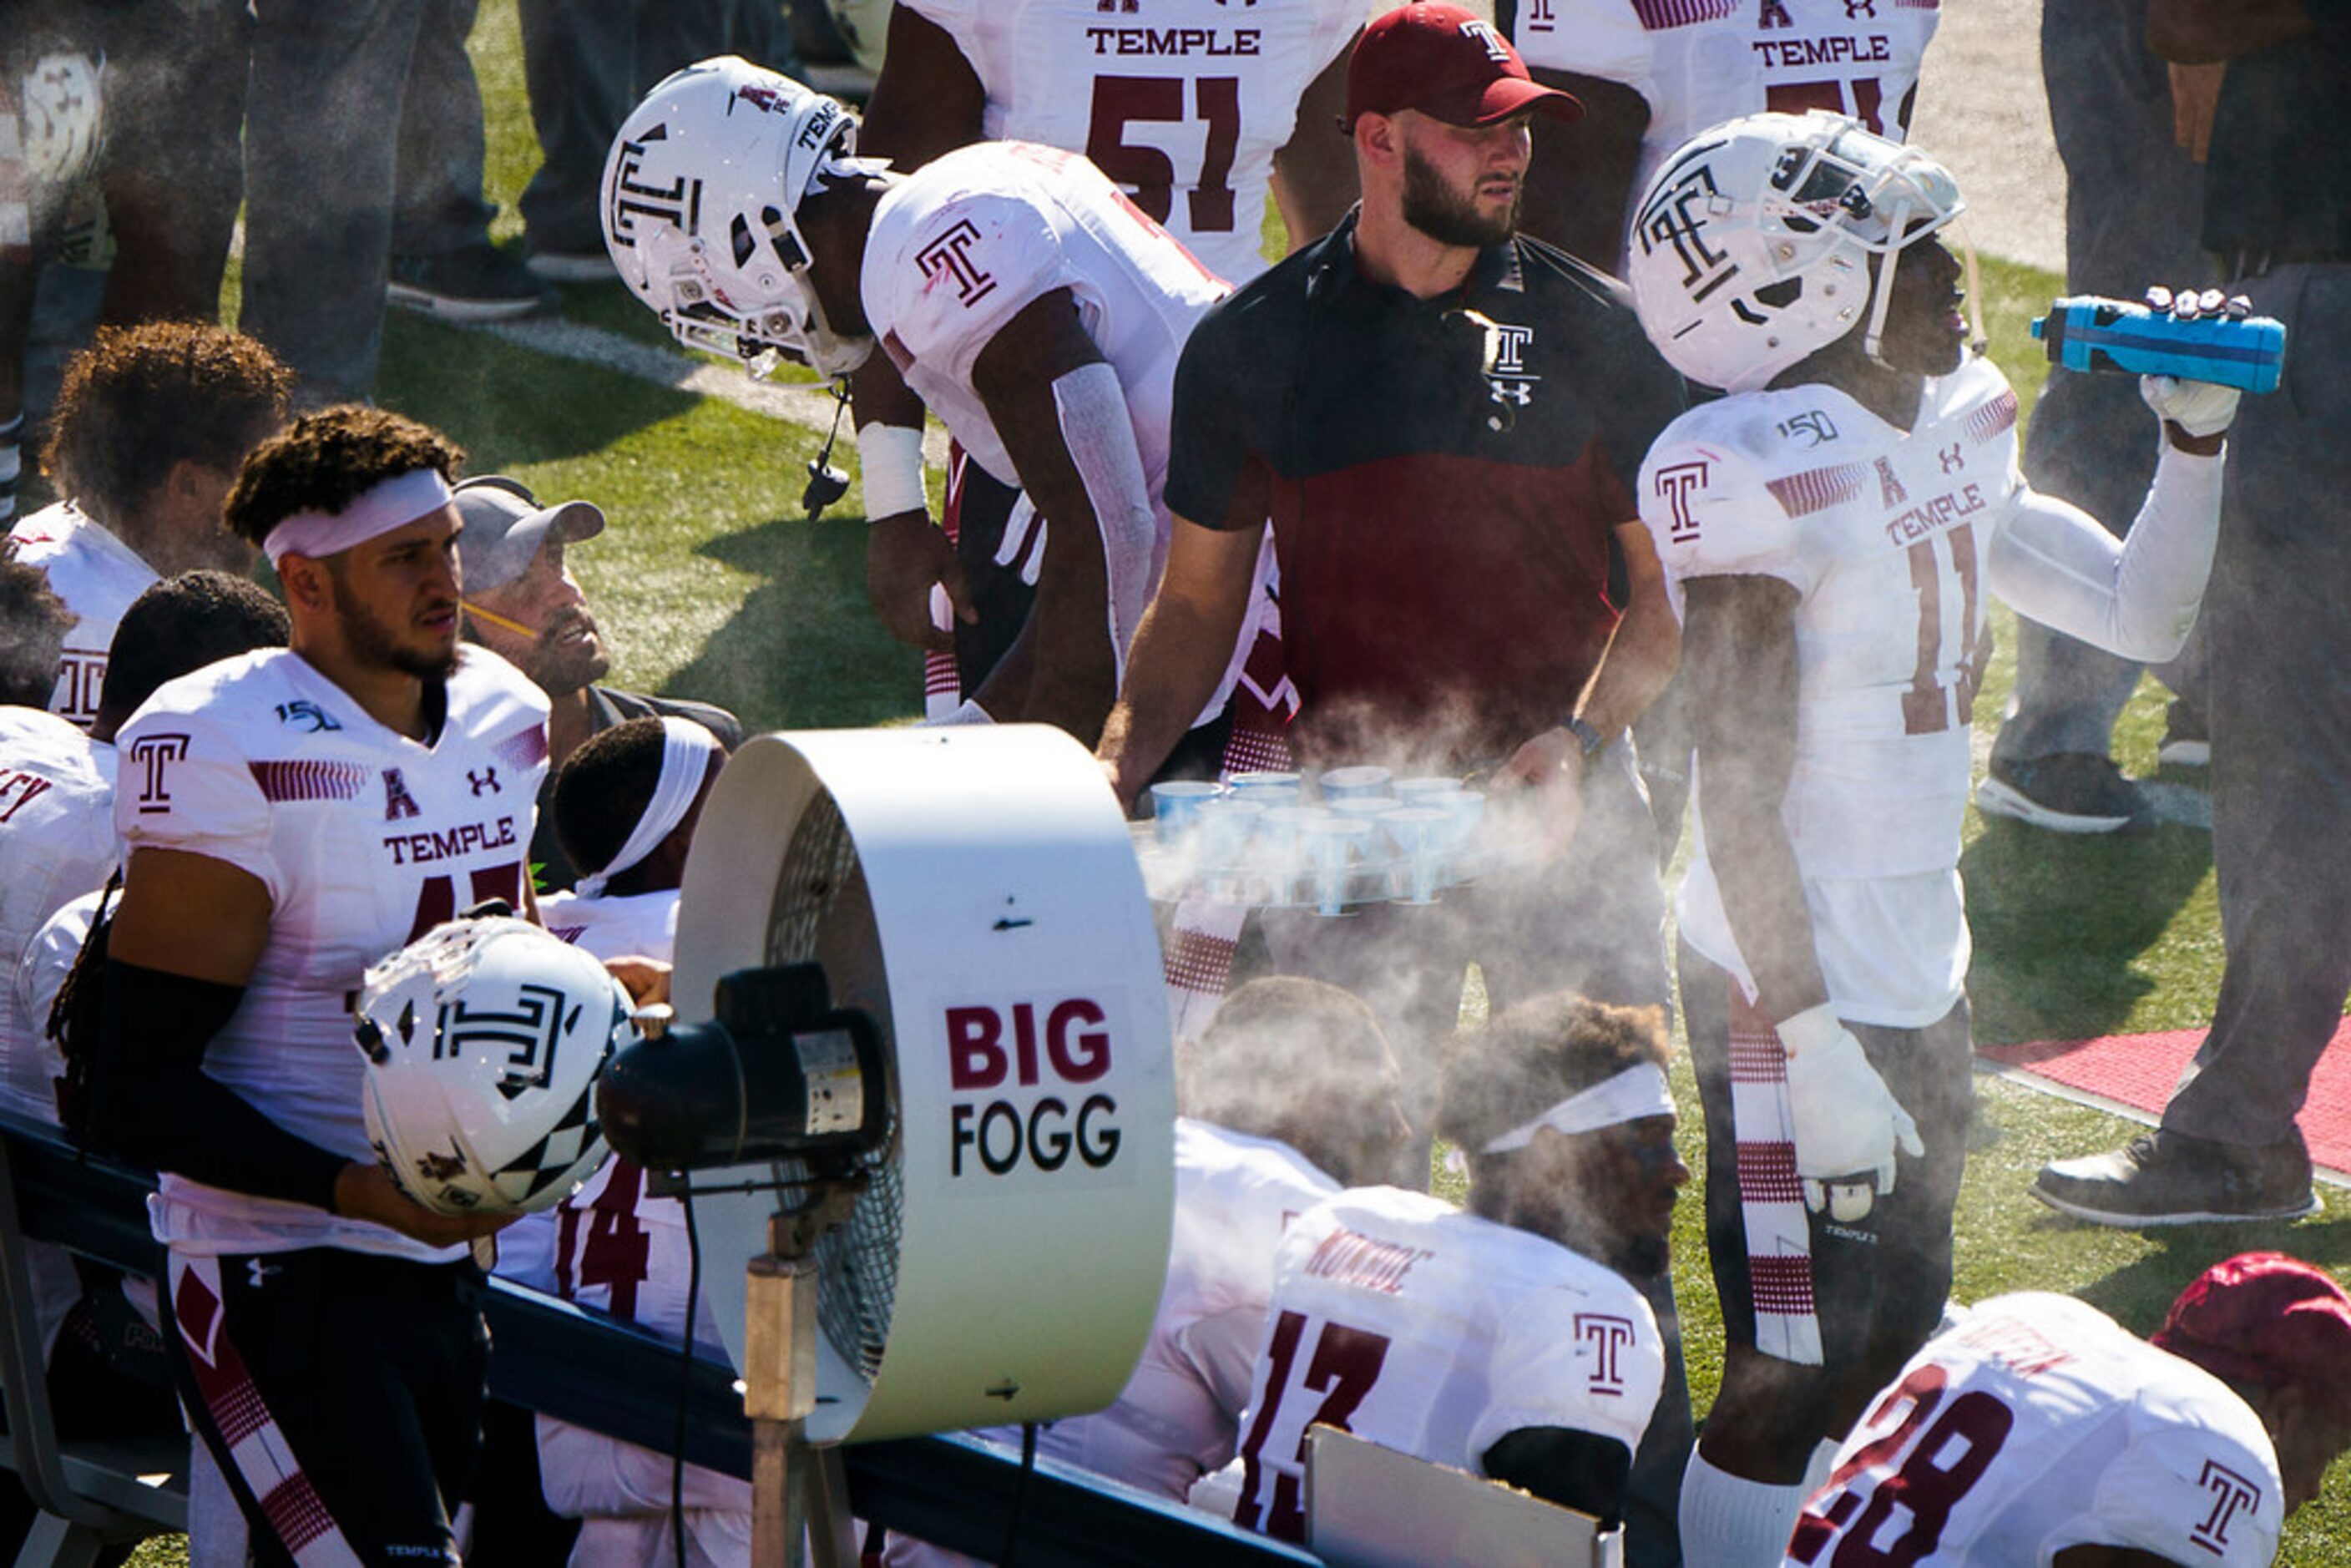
point(1539, 16)
point(949, 256)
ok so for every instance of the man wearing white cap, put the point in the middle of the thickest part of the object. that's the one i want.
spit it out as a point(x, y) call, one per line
point(292, 815)
point(523, 603)
point(1506, 1341)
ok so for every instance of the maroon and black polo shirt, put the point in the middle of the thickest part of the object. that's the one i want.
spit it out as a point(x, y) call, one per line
point(1443, 478)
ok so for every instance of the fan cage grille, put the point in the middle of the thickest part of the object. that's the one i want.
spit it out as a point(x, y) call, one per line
point(858, 1260)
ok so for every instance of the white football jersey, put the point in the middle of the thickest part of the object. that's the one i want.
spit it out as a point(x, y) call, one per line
point(1886, 536)
point(29, 1089)
point(613, 926)
point(2039, 1424)
point(1432, 1332)
point(1700, 62)
point(364, 838)
point(1179, 1414)
point(57, 843)
point(97, 577)
point(968, 240)
point(1183, 102)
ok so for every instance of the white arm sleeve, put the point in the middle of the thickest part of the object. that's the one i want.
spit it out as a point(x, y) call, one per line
point(2136, 598)
point(1100, 436)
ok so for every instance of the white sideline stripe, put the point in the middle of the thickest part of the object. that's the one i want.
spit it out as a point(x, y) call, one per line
point(2025, 1078)
point(801, 406)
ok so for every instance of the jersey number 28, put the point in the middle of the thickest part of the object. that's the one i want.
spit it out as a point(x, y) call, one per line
point(1944, 1459)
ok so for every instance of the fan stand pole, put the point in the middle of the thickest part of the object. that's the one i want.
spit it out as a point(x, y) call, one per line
point(779, 1387)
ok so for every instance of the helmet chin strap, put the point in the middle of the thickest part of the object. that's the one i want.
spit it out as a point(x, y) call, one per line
point(1881, 292)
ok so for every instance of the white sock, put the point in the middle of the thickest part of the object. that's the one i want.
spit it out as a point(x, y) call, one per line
point(1730, 1522)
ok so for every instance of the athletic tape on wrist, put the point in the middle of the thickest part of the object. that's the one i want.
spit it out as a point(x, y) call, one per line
point(890, 463)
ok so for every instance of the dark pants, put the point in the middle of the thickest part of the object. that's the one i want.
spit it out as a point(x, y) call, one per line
point(339, 1392)
point(2134, 202)
point(2280, 727)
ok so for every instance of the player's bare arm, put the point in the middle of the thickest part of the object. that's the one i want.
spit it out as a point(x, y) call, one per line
point(906, 553)
point(1740, 650)
point(1181, 648)
point(1314, 171)
point(1642, 656)
point(1055, 402)
point(929, 99)
point(172, 981)
point(2203, 32)
point(1581, 180)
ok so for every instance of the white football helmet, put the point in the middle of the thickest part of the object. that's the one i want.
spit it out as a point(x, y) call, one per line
point(60, 114)
point(702, 192)
point(1750, 248)
point(483, 1040)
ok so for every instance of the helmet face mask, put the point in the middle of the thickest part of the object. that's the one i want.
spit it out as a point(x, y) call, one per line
point(702, 194)
point(483, 1040)
point(1751, 250)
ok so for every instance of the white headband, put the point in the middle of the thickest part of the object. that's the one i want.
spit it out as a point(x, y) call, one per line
point(395, 502)
point(686, 763)
point(1632, 1094)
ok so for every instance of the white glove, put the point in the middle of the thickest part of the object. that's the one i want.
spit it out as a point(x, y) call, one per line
point(2200, 408)
point(1847, 1121)
point(1023, 541)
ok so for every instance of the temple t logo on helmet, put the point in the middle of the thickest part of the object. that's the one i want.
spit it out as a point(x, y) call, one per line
point(1750, 248)
point(701, 208)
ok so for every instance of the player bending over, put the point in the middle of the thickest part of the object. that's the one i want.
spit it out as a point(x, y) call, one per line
point(1013, 289)
point(1834, 531)
point(1504, 1340)
point(2040, 1431)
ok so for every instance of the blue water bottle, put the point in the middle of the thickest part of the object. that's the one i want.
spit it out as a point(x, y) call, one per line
point(2197, 338)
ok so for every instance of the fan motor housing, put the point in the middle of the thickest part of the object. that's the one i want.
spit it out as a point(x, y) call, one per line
point(973, 890)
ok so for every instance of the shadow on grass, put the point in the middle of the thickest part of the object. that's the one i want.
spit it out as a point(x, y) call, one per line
point(2060, 922)
point(2137, 1294)
point(509, 406)
point(804, 651)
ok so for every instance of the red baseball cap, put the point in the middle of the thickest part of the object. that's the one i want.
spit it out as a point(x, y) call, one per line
point(2269, 1320)
point(1447, 63)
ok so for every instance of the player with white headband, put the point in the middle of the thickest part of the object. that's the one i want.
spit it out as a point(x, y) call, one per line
point(291, 816)
point(1506, 1341)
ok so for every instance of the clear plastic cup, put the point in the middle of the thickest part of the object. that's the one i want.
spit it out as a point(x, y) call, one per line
point(1354, 783)
point(1420, 834)
point(1272, 789)
point(1332, 844)
point(1410, 790)
point(1174, 805)
point(1225, 827)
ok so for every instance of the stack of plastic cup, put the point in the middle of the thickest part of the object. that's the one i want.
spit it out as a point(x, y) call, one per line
point(1331, 845)
point(1354, 783)
point(1281, 846)
point(1268, 788)
point(1420, 834)
point(1224, 827)
point(1175, 804)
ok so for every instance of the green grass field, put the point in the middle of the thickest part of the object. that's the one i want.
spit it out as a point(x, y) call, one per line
point(710, 585)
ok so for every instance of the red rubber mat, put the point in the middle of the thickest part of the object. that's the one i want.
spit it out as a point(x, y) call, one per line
point(2135, 1072)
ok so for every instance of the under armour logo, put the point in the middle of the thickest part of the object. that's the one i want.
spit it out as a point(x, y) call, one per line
point(1855, 10)
point(1676, 485)
point(488, 778)
point(154, 755)
point(256, 1272)
point(1890, 492)
point(2231, 1493)
point(1679, 217)
point(1774, 15)
point(1537, 16)
point(949, 256)
point(1812, 427)
point(1107, 6)
point(1951, 458)
point(1607, 1336)
point(309, 715)
point(677, 205)
point(397, 801)
point(1497, 50)
point(1521, 391)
